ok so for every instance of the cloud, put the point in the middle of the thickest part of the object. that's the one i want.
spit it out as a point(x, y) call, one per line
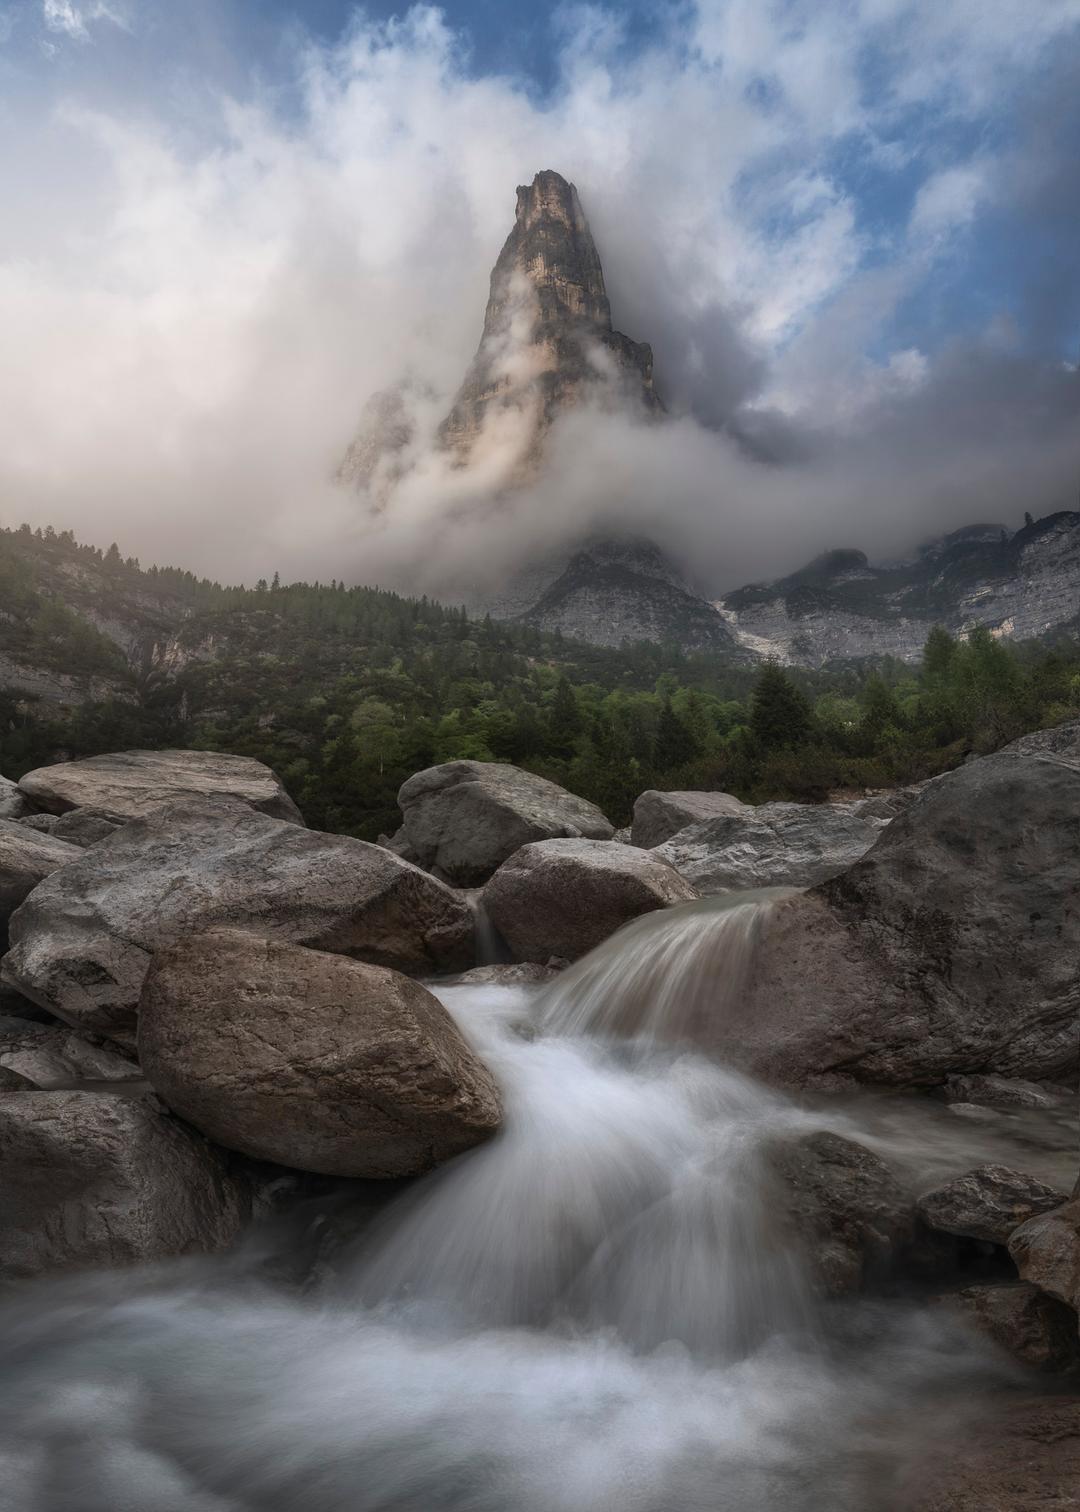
point(209, 271)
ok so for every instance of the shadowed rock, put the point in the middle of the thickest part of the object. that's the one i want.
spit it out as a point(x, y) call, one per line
point(658, 816)
point(987, 1203)
point(26, 858)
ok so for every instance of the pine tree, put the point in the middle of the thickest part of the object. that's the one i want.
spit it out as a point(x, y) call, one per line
point(938, 653)
point(780, 715)
point(675, 745)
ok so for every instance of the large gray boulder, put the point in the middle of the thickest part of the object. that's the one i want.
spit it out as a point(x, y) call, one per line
point(658, 816)
point(562, 898)
point(463, 819)
point(91, 1179)
point(132, 784)
point(13, 804)
point(988, 1203)
point(774, 845)
point(309, 1059)
point(1046, 1250)
point(81, 944)
point(26, 858)
point(950, 948)
point(1034, 1328)
point(1061, 741)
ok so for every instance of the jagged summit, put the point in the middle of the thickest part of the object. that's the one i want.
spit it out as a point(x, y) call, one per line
point(548, 341)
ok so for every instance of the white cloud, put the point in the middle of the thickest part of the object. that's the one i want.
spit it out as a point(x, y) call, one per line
point(74, 20)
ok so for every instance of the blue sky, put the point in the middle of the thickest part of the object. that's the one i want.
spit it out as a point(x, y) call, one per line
point(849, 228)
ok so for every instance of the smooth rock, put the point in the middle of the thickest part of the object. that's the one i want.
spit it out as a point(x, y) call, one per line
point(1046, 1251)
point(81, 944)
point(133, 784)
point(90, 1179)
point(463, 819)
point(658, 816)
point(13, 803)
point(54, 1056)
point(1035, 1329)
point(26, 858)
point(1005, 1092)
point(846, 1206)
point(310, 1060)
point(524, 974)
point(775, 845)
point(84, 827)
point(563, 897)
point(988, 1203)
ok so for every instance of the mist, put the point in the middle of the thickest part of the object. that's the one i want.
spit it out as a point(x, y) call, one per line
point(203, 283)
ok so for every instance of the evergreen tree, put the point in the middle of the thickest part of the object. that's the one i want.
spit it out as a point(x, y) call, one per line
point(675, 745)
point(780, 715)
point(938, 652)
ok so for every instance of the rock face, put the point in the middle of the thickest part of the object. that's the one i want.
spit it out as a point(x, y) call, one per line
point(309, 1059)
point(26, 858)
point(988, 1203)
point(82, 945)
point(88, 1179)
point(13, 804)
point(51, 1056)
point(1024, 1457)
point(774, 845)
point(84, 827)
point(658, 816)
point(846, 1206)
point(1025, 1322)
point(132, 784)
point(563, 897)
point(950, 948)
point(1046, 1250)
point(463, 819)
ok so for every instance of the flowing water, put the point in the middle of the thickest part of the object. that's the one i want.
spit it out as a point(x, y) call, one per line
point(594, 1311)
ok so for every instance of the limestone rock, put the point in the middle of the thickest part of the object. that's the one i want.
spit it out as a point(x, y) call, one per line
point(563, 897)
point(987, 1203)
point(84, 827)
point(774, 845)
point(845, 1205)
point(13, 804)
point(310, 1060)
point(91, 1179)
point(1046, 1250)
point(658, 816)
point(1035, 1329)
point(132, 784)
point(26, 858)
point(81, 946)
point(464, 818)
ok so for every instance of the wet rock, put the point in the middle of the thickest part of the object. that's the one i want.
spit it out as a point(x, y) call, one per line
point(845, 1204)
point(81, 945)
point(26, 858)
point(563, 897)
point(11, 1081)
point(132, 784)
point(1046, 1251)
point(1004, 1092)
point(658, 816)
point(309, 1059)
point(463, 819)
point(1035, 1329)
point(775, 845)
point(13, 804)
point(524, 974)
point(54, 1056)
point(84, 827)
point(987, 1203)
point(89, 1179)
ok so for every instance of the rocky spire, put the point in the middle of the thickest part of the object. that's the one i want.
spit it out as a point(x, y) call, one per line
point(548, 341)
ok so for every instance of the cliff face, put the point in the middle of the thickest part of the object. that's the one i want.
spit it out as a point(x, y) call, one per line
point(548, 342)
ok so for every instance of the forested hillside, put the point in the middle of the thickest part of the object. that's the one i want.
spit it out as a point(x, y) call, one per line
point(347, 691)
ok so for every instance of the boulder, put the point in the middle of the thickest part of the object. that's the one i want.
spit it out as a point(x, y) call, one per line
point(949, 949)
point(524, 974)
point(91, 1179)
point(1035, 1329)
point(84, 827)
point(310, 1060)
point(43, 824)
point(81, 944)
point(564, 897)
point(849, 1211)
point(775, 845)
point(132, 784)
point(987, 1203)
point(1061, 741)
point(13, 804)
point(53, 1056)
point(11, 1081)
point(463, 819)
point(1046, 1251)
point(1005, 1092)
point(1020, 1455)
point(26, 858)
point(658, 816)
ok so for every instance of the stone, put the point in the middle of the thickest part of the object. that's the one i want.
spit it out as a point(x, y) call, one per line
point(774, 845)
point(88, 1179)
point(1035, 1329)
point(1046, 1251)
point(950, 949)
point(658, 816)
point(132, 784)
point(42, 824)
point(987, 1203)
point(463, 819)
point(1005, 1092)
point(52, 1056)
point(1021, 1456)
point(310, 1060)
point(26, 858)
point(1061, 741)
point(564, 897)
point(81, 946)
point(11, 1081)
point(844, 1204)
point(13, 804)
point(524, 974)
point(84, 827)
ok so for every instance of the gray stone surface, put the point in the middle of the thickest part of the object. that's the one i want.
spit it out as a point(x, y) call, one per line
point(84, 827)
point(1035, 1329)
point(88, 1179)
point(132, 784)
point(658, 816)
point(310, 1060)
point(26, 858)
point(1006, 1092)
point(81, 946)
point(463, 819)
point(13, 803)
point(1046, 1250)
point(53, 1056)
point(563, 897)
point(987, 1203)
